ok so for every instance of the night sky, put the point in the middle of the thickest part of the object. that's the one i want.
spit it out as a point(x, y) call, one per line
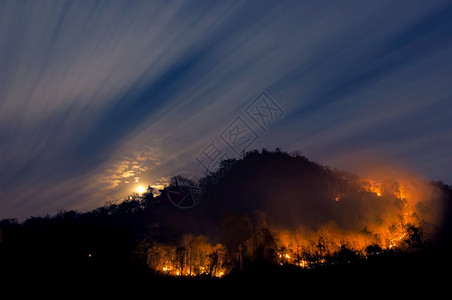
point(100, 97)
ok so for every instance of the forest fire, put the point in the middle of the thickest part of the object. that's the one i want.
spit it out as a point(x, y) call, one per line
point(395, 214)
point(197, 258)
point(407, 222)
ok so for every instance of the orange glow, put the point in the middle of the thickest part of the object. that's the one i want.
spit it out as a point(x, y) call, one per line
point(397, 207)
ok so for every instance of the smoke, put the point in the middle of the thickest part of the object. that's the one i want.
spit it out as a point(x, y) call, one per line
point(298, 195)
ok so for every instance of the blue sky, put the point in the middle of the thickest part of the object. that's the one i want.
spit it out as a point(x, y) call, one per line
point(98, 97)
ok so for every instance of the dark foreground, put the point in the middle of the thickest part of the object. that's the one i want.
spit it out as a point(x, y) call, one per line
point(386, 274)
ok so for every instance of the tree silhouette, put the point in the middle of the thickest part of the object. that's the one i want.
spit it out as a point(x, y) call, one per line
point(238, 226)
point(414, 236)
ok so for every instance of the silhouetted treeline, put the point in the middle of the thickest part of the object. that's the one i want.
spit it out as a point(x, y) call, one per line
point(236, 227)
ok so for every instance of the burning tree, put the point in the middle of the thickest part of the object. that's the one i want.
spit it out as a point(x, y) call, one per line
point(194, 256)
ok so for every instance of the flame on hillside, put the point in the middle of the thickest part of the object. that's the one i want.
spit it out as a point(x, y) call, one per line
point(393, 214)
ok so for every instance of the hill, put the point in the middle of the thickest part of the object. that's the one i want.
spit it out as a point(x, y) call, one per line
point(267, 210)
